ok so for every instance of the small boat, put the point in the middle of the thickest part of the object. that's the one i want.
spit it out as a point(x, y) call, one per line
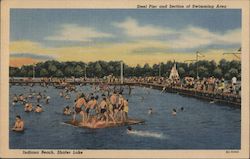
point(104, 125)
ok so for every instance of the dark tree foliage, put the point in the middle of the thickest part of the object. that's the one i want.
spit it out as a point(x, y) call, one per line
point(225, 69)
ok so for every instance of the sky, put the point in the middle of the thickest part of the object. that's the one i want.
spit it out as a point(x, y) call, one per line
point(135, 36)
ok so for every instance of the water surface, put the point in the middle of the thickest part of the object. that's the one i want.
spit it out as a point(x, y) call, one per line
point(202, 125)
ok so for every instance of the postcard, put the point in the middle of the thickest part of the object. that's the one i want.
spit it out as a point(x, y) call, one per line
point(124, 79)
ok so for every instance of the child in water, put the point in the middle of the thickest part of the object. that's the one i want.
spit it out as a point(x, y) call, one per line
point(66, 111)
point(174, 112)
point(38, 109)
point(150, 111)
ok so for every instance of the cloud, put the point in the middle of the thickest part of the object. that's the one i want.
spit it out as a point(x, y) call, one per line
point(196, 37)
point(190, 37)
point(32, 56)
point(132, 28)
point(74, 32)
point(136, 52)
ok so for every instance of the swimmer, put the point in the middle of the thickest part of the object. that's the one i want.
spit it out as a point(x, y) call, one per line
point(19, 124)
point(129, 129)
point(38, 97)
point(38, 109)
point(66, 111)
point(15, 100)
point(61, 94)
point(182, 109)
point(174, 112)
point(150, 111)
point(47, 99)
point(67, 96)
point(30, 96)
point(28, 107)
point(142, 98)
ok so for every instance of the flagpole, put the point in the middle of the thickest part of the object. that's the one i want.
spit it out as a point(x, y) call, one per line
point(121, 72)
point(159, 69)
point(197, 73)
point(33, 71)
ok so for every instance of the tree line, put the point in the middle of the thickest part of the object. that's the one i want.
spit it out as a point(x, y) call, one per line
point(223, 69)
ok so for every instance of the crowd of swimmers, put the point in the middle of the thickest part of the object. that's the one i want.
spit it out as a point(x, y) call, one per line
point(95, 111)
point(25, 100)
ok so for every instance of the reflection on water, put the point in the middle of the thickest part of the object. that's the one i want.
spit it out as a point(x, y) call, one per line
point(201, 125)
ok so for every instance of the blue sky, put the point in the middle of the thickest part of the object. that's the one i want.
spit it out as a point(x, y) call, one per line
point(183, 32)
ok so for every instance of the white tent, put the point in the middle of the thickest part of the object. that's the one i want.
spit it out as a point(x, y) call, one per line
point(174, 73)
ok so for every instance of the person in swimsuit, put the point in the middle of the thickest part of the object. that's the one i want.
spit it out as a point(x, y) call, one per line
point(47, 99)
point(113, 99)
point(28, 107)
point(150, 111)
point(92, 111)
point(78, 107)
point(125, 110)
point(15, 99)
point(174, 112)
point(103, 109)
point(19, 124)
point(38, 109)
point(66, 111)
point(38, 97)
point(118, 114)
point(110, 110)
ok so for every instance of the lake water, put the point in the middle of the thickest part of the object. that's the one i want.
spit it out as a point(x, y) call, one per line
point(202, 125)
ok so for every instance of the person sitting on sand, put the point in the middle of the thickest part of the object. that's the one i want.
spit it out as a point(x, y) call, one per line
point(66, 111)
point(174, 112)
point(28, 107)
point(38, 109)
point(19, 124)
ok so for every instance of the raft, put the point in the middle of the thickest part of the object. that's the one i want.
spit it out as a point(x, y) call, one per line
point(104, 125)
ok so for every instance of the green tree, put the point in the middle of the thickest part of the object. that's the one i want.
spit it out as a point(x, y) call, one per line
point(59, 73)
point(44, 73)
point(78, 71)
point(181, 72)
point(217, 72)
